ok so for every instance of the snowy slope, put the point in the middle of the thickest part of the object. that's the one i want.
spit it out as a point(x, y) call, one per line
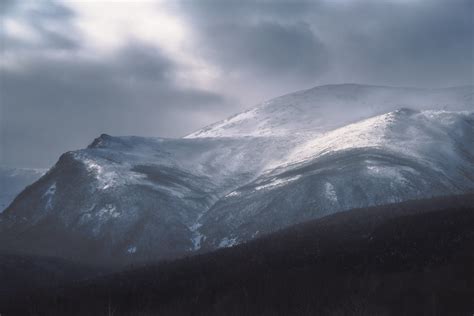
point(327, 107)
point(131, 198)
point(13, 181)
point(393, 157)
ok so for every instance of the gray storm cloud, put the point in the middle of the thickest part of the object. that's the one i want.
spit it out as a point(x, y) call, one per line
point(58, 100)
point(267, 49)
point(415, 43)
point(52, 104)
point(65, 104)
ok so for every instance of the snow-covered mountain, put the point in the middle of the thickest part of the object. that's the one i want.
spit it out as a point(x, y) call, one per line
point(14, 180)
point(389, 158)
point(126, 199)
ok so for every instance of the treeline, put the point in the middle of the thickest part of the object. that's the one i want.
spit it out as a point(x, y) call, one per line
point(413, 258)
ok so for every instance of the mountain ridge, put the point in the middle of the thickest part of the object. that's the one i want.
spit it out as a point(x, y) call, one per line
point(366, 100)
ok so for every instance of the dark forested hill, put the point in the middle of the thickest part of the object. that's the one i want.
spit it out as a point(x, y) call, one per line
point(412, 258)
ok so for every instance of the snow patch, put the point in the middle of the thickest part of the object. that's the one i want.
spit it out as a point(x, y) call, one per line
point(395, 174)
point(277, 183)
point(197, 240)
point(109, 211)
point(106, 179)
point(108, 174)
point(198, 237)
point(227, 242)
point(48, 195)
point(231, 194)
point(330, 192)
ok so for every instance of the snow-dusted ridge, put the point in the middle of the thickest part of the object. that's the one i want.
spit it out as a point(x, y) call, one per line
point(401, 131)
point(297, 157)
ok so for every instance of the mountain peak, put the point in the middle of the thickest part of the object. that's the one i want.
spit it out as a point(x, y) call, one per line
point(100, 141)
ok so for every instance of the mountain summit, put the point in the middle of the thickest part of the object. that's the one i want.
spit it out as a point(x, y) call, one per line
point(327, 107)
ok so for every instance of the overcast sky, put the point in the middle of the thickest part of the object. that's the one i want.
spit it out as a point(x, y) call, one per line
point(71, 70)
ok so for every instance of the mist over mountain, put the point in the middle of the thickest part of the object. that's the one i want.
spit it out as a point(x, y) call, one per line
point(328, 107)
point(288, 160)
point(14, 180)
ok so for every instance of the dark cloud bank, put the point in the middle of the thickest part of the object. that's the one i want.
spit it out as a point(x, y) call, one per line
point(57, 104)
point(406, 42)
point(67, 103)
